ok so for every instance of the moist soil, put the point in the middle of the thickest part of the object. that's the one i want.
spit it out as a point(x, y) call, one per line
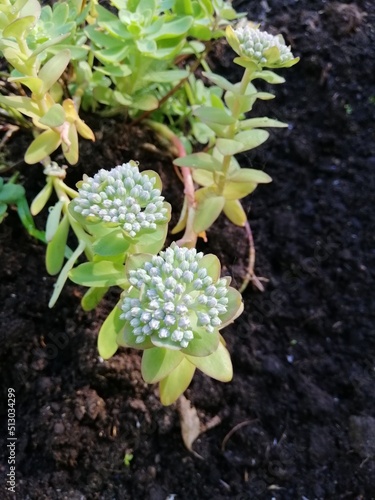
point(297, 420)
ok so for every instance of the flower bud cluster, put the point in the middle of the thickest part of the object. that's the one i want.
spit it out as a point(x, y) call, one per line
point(254, 43)
point(177, 295)
point(122, 196)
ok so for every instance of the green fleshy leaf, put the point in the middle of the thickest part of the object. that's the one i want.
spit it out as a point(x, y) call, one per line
point(152, 243)
point(92, 297)
point(235, 212)
point(54, 117)
point(212, 264)
point(166, 76)
point(63, 276)
point(154, 175)
point(227, 147)
point(56, 247)
point(199, 160)
point(250, 175)
point(41, 147)
point(175, 28)
point(207, 212)
point(218, 116)
point(260, 123)
point(145, 102)
point(232, 39)
point(40, 200)
point(126, 338)
point(235, 307)
point(252, 138)
point(218, 80)
point(245, 62)
point(24, 105)
point(53, 220)
point(203, 177)
point(71, 152)
point(18, 28)
point(269, 77)
point(11, 193)
point(137, 261)
point(99, 274)
point(172, 386)
point(203, 344)
point(243, 103)
point(33, 83)
point(238, 190)
point(157, 363)
point(53, 69)
point(109, 331)
point(217, 365)
point(111, 244)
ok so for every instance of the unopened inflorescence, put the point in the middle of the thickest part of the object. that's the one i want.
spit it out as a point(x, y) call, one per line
point(177, 295)
point(254, 44)
point(122, 196)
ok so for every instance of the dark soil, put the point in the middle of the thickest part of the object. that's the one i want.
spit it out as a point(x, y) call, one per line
point(302, 400)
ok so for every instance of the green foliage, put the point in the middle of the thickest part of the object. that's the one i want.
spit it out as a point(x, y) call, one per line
point(38, 44)
point(139, 58)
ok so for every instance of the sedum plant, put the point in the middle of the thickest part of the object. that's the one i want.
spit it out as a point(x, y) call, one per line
point(223, 182)
point(173, 303)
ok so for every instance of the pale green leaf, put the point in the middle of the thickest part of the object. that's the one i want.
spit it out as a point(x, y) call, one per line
point(111, 244)
point(24, 105)
point(237, 190)
point(166, 76)
point(200, 161)
point(63, 276)
point(217, 365)
point(53, 219)
point(234, 307)
point(207, 212)
point(252, 138)
point(250, 175)
point(54, 68)
point(218, 80)
point(203, 344)
point(235, 212)
point(56, 247)
point(19, 27)
point(218, 116)
point(269, 76)
point(110, 329)
point(98, 274)
point(70, 151)
point(228, 147)
point(41, 199)
point(41, 147)
point(54, 117)
point(158, 362)
point(260, 123)
point(174, 384)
